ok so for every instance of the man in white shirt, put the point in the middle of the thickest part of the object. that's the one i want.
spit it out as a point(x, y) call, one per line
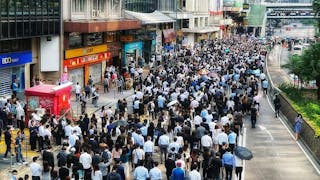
point(194, 174)
point(68, 130)
point(36, 169)
point(148, 146)
point(86, 160)
point(197, 120)
point(222, 138)
point(47, 132)
point(206, 141)
point(224, 120)
point(78, 91)
point(73, 138)
point(155, 173)
point(163, 142)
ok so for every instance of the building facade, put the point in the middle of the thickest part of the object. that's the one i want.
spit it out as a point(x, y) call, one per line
point(196, 26)
point(92, 38)
point(157, 32)
point(27, 29)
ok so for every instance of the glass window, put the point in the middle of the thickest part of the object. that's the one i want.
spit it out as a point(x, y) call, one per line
point(78, 5)
point(75, 40)
point(11, 6)
point(196, 22)
point(111, 37)
point(26, 7)
point(94, 38)
point(185, 23)
point(3, 8)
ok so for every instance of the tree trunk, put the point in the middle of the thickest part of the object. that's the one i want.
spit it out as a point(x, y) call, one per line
point(318, 87)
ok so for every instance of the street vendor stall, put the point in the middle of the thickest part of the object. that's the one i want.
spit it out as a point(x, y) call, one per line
point(55, 99)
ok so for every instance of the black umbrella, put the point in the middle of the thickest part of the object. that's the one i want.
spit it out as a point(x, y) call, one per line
point(243, 153)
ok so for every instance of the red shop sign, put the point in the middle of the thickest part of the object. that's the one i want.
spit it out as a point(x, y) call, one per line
point(79, 61)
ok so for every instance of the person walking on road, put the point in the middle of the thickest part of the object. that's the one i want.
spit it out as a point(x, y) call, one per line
point(297, 126)
point(277, 105)
point(8, 140)
point(228, 163)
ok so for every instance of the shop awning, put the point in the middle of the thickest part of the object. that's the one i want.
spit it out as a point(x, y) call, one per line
point(149, 18)
point(181, 15)
point(201, 30)
point(169, 35)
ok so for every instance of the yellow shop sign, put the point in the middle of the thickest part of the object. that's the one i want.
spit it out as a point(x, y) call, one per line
point(85, 51)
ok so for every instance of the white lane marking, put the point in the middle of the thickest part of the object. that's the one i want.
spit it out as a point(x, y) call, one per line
point(244, 141)
point(299, 143)
point(267, 131)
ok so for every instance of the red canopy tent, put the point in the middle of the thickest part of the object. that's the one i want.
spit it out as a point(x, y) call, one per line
point(55, 99)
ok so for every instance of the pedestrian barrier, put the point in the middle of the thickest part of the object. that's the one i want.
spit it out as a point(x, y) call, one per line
point(288, 113)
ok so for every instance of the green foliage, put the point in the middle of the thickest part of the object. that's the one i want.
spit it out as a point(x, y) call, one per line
point(307, 66)
point(294, 65)
point(303, 103)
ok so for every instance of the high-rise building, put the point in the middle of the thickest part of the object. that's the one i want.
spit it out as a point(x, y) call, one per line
point(92, 37)
point(27, 29)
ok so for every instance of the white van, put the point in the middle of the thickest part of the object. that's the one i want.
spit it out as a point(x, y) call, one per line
point(297, 50)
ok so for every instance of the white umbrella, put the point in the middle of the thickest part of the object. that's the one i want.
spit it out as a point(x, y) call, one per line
point(172, 103)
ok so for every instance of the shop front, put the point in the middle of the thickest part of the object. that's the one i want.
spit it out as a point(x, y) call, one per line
point(90, 63)
point(132, 52)
point(12, 67)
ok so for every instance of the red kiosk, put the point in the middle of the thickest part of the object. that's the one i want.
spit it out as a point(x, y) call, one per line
point(55, 99)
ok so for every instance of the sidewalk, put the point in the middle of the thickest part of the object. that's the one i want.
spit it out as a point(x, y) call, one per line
point(276, 154)
point(275, 60)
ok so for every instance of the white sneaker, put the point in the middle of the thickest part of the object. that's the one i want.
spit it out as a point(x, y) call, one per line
point(5, 159)
point(19, 163)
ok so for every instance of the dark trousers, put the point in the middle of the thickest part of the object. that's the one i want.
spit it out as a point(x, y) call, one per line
point(106, 88)
point(40, 141)
point(33, 142)
point(87, 174)
point(35, 177)
point(253, 122)
point(8, 150)
point(228, 169)
point(163, 150)
point(239, 172)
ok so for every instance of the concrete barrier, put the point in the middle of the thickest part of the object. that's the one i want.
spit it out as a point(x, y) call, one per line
point(307, 134)
point(289, 114)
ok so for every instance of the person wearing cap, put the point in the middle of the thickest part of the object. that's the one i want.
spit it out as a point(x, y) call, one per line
point(178, 172)
point(36, 169)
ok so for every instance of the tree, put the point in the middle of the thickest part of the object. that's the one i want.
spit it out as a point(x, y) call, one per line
point(295, 66)
point(310, 60)
point(316, 8)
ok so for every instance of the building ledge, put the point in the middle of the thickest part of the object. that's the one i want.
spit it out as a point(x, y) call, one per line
point(91, 26)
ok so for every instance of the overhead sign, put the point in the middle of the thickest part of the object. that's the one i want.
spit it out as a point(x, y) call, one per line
point(16, 58)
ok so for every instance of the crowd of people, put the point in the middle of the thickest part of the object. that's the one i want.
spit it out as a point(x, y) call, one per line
point(189, 111)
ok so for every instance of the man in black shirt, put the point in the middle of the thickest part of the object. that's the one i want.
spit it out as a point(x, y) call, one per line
point(213, 171)
point(8, 140)
point(170, 165)
point(63, 172)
